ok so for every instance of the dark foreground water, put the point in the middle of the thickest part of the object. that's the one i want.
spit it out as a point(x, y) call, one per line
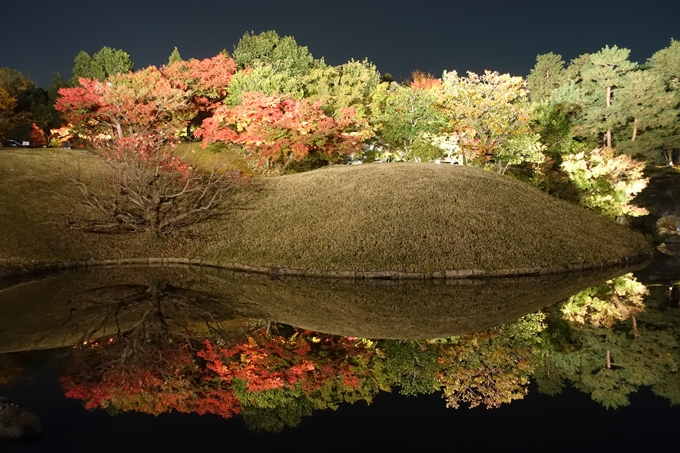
point(622, 355)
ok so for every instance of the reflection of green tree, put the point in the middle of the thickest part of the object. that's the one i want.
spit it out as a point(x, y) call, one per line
point(607, 360)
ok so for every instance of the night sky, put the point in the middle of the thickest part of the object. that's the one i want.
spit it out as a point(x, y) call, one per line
point(43, 36)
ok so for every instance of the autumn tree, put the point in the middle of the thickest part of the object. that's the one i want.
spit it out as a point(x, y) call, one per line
point(281, 129)
point(7, 105)
point(136, 119)
point(490, 368)
point(348, 85)
point(23, 105)
point(490, 114)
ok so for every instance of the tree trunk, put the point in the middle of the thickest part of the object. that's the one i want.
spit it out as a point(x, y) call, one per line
point(609, 359)
point(635, 129)
point(635, 329)
point(608, 135)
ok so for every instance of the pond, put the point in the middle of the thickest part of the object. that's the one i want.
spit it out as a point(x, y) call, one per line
point(182, 358)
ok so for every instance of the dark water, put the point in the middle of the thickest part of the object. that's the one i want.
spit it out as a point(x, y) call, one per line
point(156, 306)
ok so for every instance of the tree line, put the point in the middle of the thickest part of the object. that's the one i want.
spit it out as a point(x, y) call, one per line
point(582, 131)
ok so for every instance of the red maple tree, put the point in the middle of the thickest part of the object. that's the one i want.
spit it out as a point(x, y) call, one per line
point(279, 128)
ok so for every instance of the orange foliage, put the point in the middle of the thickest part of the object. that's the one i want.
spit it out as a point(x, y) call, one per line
point(422, 81)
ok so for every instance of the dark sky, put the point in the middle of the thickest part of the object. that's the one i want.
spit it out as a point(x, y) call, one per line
point(43, 36)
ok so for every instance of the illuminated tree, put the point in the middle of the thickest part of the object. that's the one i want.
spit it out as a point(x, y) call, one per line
point(607, 182)
point(405, 119)
point(174, 56)
point(547, 75)
point(490, 114)
point(281, 129)
point(136, 119)
point(608, 304)
point(284, 54)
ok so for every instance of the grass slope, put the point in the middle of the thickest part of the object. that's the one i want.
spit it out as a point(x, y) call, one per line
point(404, 217)
point(414, 218)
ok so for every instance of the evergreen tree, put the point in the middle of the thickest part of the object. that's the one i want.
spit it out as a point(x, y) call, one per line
point(101, 65)
point(546, 75)
point(596, 82)
point(174, 56)
point(284, 54)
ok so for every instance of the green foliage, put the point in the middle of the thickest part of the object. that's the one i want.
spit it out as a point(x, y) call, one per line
point(403, 118)
point(263, 78)
point(594, 93)
point(348, 85)
point(174, 56)
point(411, 366)
point(546, 75)
point(101, 65)
point(287, 414)
point(607, 182)
point(554, 126)
point(283, 54)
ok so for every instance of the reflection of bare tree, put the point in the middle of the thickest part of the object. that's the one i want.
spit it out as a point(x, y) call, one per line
point(144, 314)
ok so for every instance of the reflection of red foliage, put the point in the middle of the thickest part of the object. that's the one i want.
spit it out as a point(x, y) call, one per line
point(181, 381)
point(174, 383)
point(267, 362)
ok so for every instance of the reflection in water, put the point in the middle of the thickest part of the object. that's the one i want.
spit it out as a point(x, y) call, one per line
point(189, 347)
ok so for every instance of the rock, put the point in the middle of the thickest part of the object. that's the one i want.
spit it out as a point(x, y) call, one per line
point(17, 422)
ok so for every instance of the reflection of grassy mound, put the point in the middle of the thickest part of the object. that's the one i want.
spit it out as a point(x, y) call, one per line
point(61, 310)
point(415, 218)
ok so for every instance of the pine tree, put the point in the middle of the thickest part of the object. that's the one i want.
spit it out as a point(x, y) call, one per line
point(546, 75)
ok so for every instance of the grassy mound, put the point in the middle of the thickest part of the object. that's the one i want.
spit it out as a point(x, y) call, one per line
point(397, 217)
point(414, 218)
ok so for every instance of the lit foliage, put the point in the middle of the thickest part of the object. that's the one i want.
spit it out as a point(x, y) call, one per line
point(136, 119)
point(165, 379)
point(325, 368)
point(266, 79)
point(207, 80)
point(607, 182)
point(485, 369)
point(36, 136)
point(608, 304)
point(405, 120)
point(7, 105)
point(347, 85)
point(278, 128)
point(284, 376)
point(491, 114)
point(422, 81)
